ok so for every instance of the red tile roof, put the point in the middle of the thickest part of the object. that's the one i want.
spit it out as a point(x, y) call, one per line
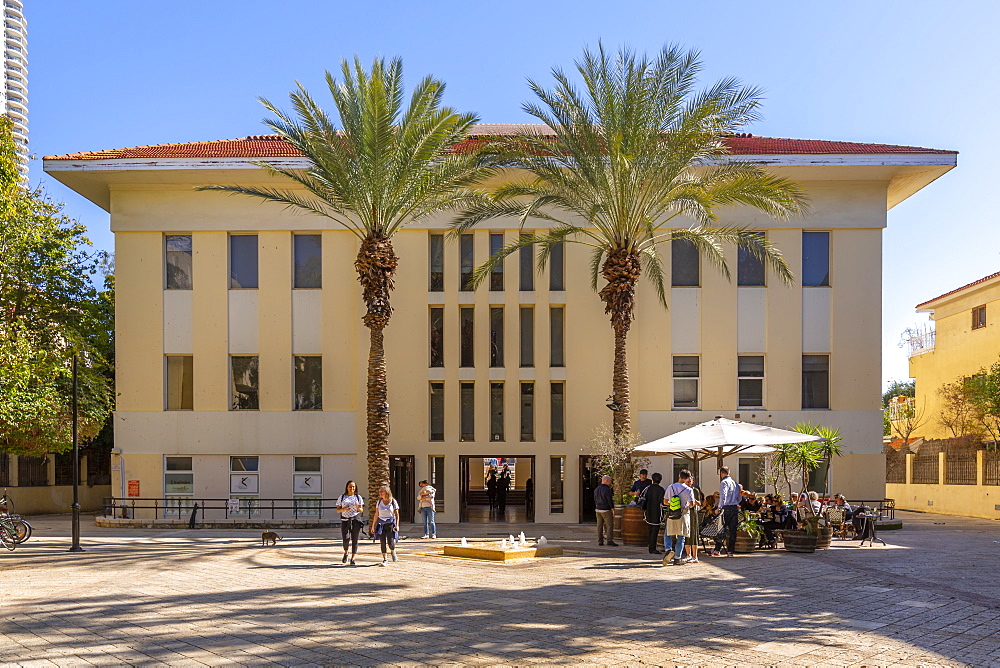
point(272, 146)
point(956, 290)
point(897, 443)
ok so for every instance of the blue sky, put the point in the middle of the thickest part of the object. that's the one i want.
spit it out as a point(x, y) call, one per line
point(119, 73)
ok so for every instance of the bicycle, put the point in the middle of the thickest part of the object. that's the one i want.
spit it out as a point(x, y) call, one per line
point(18, 529)
point(8, 533)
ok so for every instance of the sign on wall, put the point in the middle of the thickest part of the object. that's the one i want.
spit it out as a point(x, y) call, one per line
point(307, 483)
point(233, 505)
point(133, 488)
point(243, 483)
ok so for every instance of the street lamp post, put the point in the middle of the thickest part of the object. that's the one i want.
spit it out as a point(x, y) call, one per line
point(76, 469)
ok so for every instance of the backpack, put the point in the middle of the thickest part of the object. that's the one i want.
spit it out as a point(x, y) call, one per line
point(674, 509)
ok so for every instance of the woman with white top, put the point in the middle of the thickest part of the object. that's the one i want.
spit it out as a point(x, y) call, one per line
point(385, 524)
point(350, 505)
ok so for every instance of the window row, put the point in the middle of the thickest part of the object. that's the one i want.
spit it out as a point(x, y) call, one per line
point(685, 264)
point(556, 264)
point(244, 382)
point(307, 261)
point(526, 336)
point(526, 406)
point(750, 381)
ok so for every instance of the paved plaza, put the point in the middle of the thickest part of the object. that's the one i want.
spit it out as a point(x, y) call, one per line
point(932, 597)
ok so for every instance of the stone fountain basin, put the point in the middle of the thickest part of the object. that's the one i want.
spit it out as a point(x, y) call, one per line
point(496, 553)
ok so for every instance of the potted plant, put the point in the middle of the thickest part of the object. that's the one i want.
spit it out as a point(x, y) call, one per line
point(748, 532)
point(615, 458)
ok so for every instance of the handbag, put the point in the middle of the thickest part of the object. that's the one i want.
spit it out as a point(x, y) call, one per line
point(712, 528)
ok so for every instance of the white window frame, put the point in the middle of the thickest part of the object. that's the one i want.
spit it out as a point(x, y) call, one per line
point(762, 379)
point(696, 379)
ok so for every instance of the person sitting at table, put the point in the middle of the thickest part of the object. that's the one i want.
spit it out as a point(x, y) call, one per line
point(841, 502)
point(750, 502)
point(773, 516)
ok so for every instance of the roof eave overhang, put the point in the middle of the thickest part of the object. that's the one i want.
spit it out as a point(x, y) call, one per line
point(938, 302)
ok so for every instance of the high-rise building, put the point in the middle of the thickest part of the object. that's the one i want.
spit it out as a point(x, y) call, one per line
point(14, 94)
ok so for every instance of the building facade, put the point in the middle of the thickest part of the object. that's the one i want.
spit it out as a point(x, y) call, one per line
point(241, 356)
point(14, 94)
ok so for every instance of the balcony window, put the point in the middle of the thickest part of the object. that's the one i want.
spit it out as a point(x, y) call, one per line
point(467, 412)
point(750, 378)
point(815, 259)
point(467, 317)
point(526, 267)
point(496, 336)
point(436, 411)
point(496, 274)
point(467, 257)
point(245, 388)
point(436, 263)
point(308, 383)
point(496, 412)
point(686, 373)
point(749, 268)
point(815, 381)
point(178, 250)
point(308, 253)
point(685, 264)
point(437, 337)
point(243, 261)
point(557, 268)
point(180, 383)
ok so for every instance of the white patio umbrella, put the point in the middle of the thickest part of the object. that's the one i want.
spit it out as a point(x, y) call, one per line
point(721, 437)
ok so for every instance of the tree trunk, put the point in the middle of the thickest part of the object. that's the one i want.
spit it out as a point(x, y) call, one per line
point(621, 270)
point(376, 265)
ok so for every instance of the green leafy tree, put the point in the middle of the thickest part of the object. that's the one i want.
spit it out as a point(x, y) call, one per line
point(50, 310)
point(636, 156)
point(377, 167)
point(958, 412)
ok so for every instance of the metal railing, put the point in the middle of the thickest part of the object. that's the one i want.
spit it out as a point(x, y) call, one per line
point(213, 509)
point(895, 467)
point(925, 469)
point(960, 468)
point(991, 467)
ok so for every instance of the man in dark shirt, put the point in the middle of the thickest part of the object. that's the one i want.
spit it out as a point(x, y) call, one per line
point(654, 511)
point(642, 483)
point(604, 503)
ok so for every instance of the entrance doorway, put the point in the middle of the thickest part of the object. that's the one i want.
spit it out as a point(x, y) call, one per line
point(478, 504)
point(401, 472)
point(590, 478)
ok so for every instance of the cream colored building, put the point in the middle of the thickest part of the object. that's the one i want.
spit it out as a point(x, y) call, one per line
point(230, 314)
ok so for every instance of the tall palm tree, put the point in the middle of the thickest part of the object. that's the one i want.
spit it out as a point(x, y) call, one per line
point(623, 163)
point(375, 169)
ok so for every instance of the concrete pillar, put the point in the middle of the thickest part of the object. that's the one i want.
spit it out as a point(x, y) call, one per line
point(942, 468)
point(980, 468)
point(909, 468)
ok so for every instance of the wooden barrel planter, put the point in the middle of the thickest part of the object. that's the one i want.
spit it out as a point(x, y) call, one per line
point(634, 527)
point(824, 538)
point(800, 541)
point(744, 542)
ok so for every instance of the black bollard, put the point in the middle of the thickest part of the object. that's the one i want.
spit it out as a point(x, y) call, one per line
point(194, 514)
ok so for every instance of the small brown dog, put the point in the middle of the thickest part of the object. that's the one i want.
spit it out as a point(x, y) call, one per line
point(269, 536)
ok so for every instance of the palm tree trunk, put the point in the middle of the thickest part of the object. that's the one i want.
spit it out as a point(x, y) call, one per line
point(621, 270)
point(376, 265)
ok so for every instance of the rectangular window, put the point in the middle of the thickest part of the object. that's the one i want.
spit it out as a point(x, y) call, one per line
point(527, 411)
point(243, 261)
point(307, 464)
point(750, 377)
point(749, 268)
point(558, 413)
point(815, 381)
point(308, 383)
point(685, 264)
point(178, 485)
point(467, 261)
point(308, 254)
point(815, 259)
point(496, 274)
point(436, 263)
point(437, 336)
point(436, 478)
point(557, 268)
point(526, 265)
point(178, 463)
point(686, 372)
point(244, 464)
point(467, 317)
point(437, 412)
point(527, 336)
point(496, 412)
point(180, 383)
point(979, 317)
point(556, 320)
point(496, 336)
point(467, 414)
point(178, 247)
point(245, 383)
point(557, 477)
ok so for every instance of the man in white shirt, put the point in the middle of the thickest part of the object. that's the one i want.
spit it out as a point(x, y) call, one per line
point(678, 498)
point(425, 501)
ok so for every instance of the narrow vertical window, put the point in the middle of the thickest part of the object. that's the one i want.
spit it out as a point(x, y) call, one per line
point(308, 252)
point(526, 266)
point(245, 392)
point(178, 250)
point(815, 381)
point(527, 411)
point(815, 259)
point(979, 317)
point(557, 478)
point(685, 264)
point(557, 268)
point(308, 383)
point(467, 261)
point(556, 317)
point(496, 412)
point(749, 268)
point(437, 336)
point(496, 274)
point(436, 263)
point(180, 383)
point(437, 412)
point(467, 317)
point(527, 336)
point(243, 261)
point(750, 378)
point(496, 336)
point(558, 412)
point(686, 374)
point(467, 413)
